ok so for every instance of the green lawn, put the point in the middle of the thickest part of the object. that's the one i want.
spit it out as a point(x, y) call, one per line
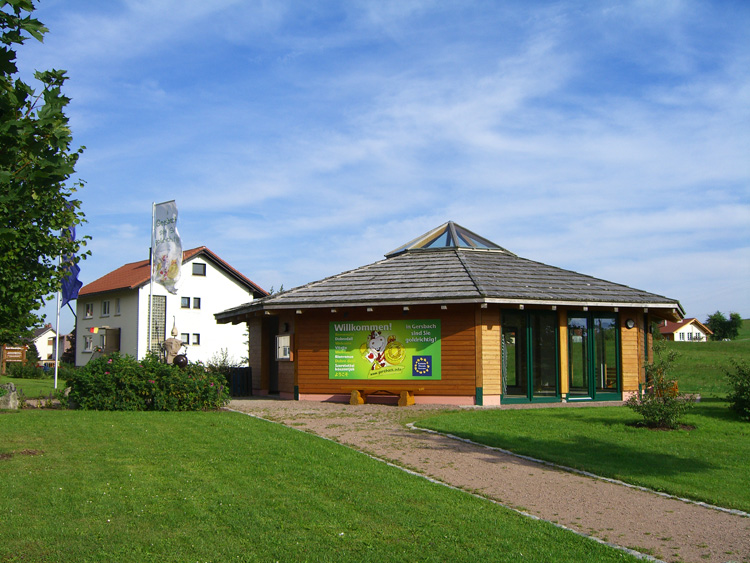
point(709, 463)
point(700, 366)
point(95, 486)
point(34, 388)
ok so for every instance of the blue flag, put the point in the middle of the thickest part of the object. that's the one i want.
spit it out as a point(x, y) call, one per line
point(70, 283)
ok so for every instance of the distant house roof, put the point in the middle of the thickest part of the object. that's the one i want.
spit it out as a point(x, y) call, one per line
point(137, 274)
point(457, 273)
point(40, 331)
point(669, 327)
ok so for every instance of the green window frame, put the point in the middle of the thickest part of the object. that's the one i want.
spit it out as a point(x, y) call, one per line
point(530, 356)
point(594, 356)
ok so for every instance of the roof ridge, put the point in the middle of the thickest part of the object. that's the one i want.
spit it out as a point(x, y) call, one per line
point(470, 272)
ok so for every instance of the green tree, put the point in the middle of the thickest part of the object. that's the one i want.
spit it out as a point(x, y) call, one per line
point(722, 327)
point(32, 355)
point(36, 161)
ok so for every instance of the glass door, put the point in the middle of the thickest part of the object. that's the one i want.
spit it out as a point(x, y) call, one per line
point(515, 382)
point(529, 356)
point(578, 358)
point(606, 356)
point(593, 356)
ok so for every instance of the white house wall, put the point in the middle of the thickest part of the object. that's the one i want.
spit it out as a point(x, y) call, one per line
point(689, 333)
point(45, 349)
point(217, 292)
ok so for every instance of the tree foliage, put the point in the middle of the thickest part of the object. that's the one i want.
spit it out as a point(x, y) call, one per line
point(722, 327)
point(739, 393)
point(36, 161)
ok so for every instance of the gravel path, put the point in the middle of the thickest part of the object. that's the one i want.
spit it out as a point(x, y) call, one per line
point(666, 528)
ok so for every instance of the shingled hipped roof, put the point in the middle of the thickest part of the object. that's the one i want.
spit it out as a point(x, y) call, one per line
point(137, 274)
point(455, 273)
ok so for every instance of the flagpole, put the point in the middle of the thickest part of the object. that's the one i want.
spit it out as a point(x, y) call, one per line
point(57, 331)
point(151, 276)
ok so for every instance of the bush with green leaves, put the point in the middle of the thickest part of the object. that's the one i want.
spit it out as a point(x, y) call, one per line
point(660, 404)
point(120, 382)
point(739, 394)
point(25, 370)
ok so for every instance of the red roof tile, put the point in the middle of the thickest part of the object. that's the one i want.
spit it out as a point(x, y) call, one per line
point(137, 274)
point(668, 327)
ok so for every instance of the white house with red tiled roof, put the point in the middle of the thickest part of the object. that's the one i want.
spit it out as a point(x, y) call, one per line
point(686, 330)
point(113, 311)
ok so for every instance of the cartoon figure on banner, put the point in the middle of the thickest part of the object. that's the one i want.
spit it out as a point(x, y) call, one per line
point(381, 351)
point(165, 269)
point(376, 343)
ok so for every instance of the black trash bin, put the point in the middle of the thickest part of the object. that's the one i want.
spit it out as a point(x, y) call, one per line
point(241, 382)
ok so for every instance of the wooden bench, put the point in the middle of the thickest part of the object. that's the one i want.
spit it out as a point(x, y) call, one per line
point(359, 394)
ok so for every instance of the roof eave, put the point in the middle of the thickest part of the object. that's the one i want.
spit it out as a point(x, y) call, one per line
point(673, 308)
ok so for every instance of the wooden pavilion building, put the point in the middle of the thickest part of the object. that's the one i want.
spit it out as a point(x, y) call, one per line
point(453, 318)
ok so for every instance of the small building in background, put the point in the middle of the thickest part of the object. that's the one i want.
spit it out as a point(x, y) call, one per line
point(113, 311)
point(686, 330)
point(47, 342)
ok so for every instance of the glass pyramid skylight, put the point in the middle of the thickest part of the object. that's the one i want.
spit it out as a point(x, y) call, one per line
point(448, 235)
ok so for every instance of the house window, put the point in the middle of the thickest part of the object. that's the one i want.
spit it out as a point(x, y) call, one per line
point(284, 347)
point(105, 308)
point(199, 269)
point(89, 312)
point(185, 302)
point(682, 336)
point(117, 306)
point(50, 342)
point(88, 343)
point(103, 341)
point(185, 337)
point(196, 339)
point(196, 302)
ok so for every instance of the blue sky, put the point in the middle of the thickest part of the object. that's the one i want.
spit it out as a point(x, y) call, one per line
point(303, 139)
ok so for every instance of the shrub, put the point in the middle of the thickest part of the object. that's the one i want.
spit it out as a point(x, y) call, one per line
point(116, 382)
point(660, 404)
point(25, 370)
point(739, 395)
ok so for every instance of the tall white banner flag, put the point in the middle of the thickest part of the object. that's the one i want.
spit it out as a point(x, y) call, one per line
point(167, 257)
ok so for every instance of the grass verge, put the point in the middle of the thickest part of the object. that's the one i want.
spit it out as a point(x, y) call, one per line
point(708, 463)
point(700, 366)
point(218, 486)
point(34, 388)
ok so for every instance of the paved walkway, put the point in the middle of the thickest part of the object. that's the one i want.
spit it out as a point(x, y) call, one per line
point(666, 528)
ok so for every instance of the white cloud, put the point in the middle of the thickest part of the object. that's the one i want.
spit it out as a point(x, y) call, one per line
point(305, 140)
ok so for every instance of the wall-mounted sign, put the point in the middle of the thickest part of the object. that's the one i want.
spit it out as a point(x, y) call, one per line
point(399, 349)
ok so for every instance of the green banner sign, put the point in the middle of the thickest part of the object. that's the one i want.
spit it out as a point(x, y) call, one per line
point(403, 349)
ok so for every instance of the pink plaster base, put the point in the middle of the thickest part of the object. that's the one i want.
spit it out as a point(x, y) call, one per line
point(392, 399)
point(627, 394)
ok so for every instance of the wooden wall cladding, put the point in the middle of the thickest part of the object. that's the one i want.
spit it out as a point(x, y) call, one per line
point(458, 348)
